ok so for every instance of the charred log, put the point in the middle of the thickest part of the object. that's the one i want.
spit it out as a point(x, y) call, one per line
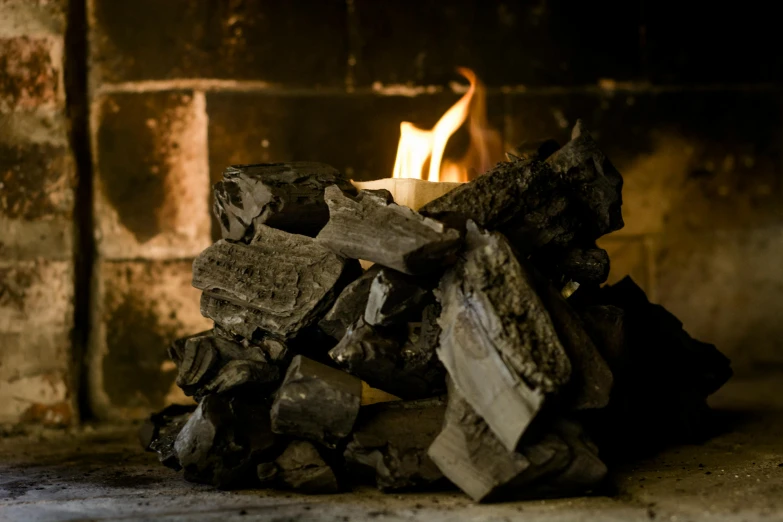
point(498, 343)
point(286, 196)
point(374, 228)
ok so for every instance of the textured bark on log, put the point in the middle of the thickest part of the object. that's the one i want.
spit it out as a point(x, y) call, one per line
point(392, 439)
point(284, 281)
point(287, 196)
point(469, 454)
point(498, 343)
point(572, 198)
point(224, 440)
point(373, 228)
point(316, 402)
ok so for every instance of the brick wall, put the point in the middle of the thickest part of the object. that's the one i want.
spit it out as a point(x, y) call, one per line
point(37, 180)
point(687, 104)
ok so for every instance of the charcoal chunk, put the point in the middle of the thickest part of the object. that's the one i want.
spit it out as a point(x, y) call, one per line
point(662, 375)
point(373, 228)
point(498, 342)
point(278, 284)
point(534, 150)
point(316, 402)
point(586, 266)
point(560, 462)
point(350, 305)
point(210, 363)
point(591, 378)
point(392, 439)
point(301, 468)
point(286, 196)
point(571, 199)
point(224, 440)
point(393, 298)
point(159, 432)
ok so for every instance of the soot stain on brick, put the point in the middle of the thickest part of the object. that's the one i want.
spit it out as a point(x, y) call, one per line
point(34, 181)
point(27, 76)
point(14, 282)
point(136, 143)
point(137, 343)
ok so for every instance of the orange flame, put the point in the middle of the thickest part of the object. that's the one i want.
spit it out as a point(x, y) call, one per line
point(417, 145)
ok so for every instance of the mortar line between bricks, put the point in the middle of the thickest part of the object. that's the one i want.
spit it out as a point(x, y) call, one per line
point(261, 87)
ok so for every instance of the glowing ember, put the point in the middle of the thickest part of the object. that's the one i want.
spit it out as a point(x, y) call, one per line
point(419, 145)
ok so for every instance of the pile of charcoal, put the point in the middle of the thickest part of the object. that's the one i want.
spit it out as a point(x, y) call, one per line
point(478, 348)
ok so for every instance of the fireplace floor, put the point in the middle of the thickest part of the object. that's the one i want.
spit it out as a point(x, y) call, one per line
point(99, 473)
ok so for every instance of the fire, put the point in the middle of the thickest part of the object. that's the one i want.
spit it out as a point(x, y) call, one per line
point(417, 145)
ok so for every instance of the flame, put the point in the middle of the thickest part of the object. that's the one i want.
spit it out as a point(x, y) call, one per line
point(417, 145)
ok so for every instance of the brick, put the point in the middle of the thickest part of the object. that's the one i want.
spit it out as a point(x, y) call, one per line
point(152, 179)
point(695, 160)
point(36, 316)
point(356, 134)
point(30, 73)
point(552, 42)
point(629, 256)
point(142, 306)
point(276, 42)
point(32, 17)
point(36, 181)
point(725, 286)
point(690, 42)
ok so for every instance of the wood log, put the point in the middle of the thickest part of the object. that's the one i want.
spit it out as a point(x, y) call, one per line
point(350, 305)
point(316, 402)
point(209, 363)
point(285, 281)
point(159, 432)
point(596, 183)
point(373, 228)
point(302, 469)
point(572, 198)
point(560, 462)
point(394, 298)
point(224, 439)
point(286, 196)
point(498, 342)
point(391, 440)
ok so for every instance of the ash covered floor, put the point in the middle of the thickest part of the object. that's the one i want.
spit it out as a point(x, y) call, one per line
point(100, 473)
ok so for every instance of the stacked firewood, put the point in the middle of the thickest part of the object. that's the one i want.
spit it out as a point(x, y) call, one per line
point(509, 371)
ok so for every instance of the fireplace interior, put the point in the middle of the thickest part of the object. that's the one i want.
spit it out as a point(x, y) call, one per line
point(353, 260)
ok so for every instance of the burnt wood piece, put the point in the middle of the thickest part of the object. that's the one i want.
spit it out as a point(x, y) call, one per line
point(350, 305)
point(597, 185)
point(663, 376)
point(586, 266)
point(393, 298)
point(287, 196)
point(224, 440)
point(316, 402)
point(605, 324)
point(591, 379)
point(534, 150)
point(274, 349)
point(394, 360)
point(301, 468)
point(561, 462)
point(210, 363)
point(372, 227)
point(498, 342)
point(391, 440)
point(285, 281)
point(570, 199)
point(160, 430)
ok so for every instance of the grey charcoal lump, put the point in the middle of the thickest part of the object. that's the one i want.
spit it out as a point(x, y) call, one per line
point(509, 371)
